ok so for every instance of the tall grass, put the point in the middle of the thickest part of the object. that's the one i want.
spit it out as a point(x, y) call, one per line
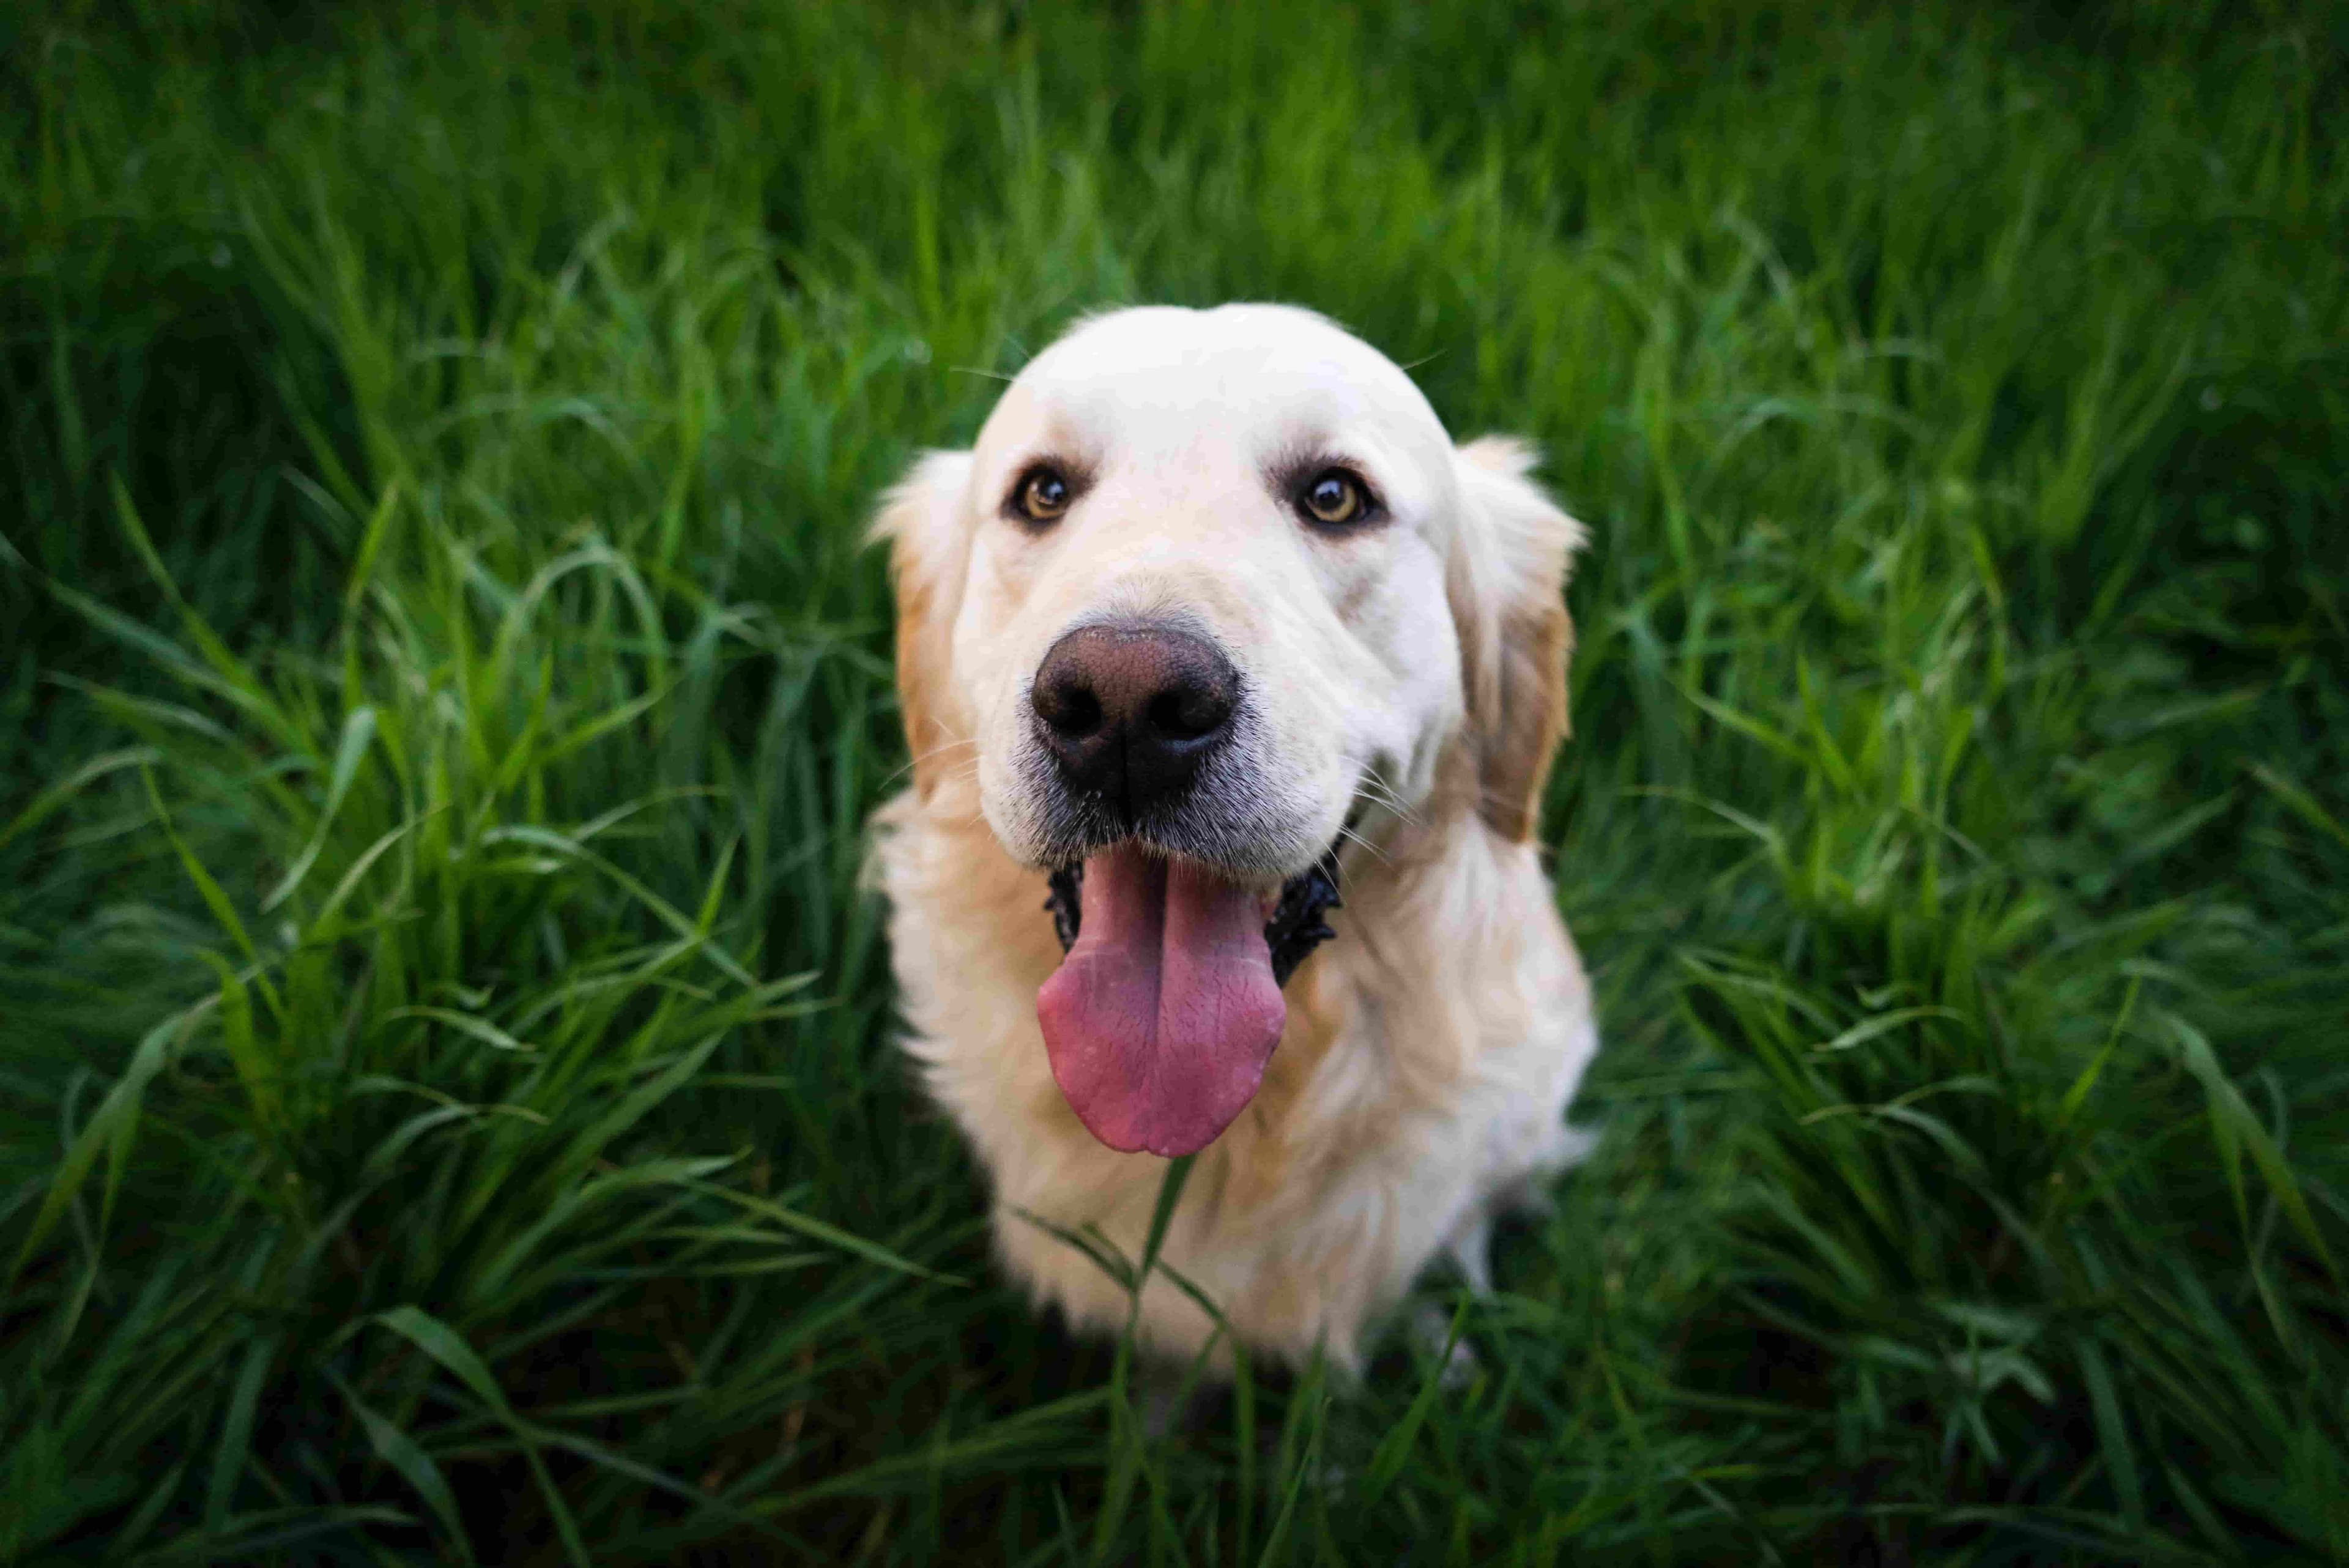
point(448, 1109)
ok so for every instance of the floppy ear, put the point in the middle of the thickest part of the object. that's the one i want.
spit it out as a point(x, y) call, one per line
point(1505, 580)
point(928, 552)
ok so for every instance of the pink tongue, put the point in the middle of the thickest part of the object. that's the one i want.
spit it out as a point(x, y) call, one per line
point(1161, 1019)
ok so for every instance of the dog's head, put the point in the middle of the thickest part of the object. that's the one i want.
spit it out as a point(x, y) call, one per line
point(1212, 588)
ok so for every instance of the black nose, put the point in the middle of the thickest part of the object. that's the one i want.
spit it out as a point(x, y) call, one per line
point(1131, 710)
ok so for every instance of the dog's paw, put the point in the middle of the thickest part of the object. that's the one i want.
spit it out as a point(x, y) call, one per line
point(1470, 1248)
point(1529, 1195)
point(1166, 1406)
point(1431, 1327)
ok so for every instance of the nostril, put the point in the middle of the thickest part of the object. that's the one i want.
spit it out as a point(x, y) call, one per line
point(1071, 710)
point(1081, 714)
point(1187, 713)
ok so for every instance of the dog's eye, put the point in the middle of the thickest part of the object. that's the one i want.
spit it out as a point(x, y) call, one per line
point(1333, 497)
point(1044, 495)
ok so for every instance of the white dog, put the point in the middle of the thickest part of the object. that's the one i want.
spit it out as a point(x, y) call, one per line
point(1214, 620)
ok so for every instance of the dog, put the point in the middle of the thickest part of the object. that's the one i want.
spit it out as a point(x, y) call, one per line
point(1221, 666)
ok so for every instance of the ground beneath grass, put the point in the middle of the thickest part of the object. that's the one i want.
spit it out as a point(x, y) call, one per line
point(448, 1109)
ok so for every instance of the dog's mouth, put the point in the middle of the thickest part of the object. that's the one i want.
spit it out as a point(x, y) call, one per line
point(1167, 1005)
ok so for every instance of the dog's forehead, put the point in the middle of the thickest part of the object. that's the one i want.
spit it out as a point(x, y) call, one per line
point(1263, 374)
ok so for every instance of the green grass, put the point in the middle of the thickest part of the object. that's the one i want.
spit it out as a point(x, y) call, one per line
point(447, 1105)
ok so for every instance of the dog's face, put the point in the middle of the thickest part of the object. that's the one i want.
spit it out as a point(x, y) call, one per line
point(1172, 457)
point(1210, 587)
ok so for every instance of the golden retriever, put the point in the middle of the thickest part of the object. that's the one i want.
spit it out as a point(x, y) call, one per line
point(1213, 621)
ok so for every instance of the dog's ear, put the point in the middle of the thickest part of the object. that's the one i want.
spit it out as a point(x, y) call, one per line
point(928, 554)
point(1506, 581)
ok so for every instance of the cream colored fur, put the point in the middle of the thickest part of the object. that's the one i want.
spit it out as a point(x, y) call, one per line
point(1412, 674)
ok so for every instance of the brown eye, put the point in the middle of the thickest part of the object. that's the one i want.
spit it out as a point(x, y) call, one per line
point(1043, 495)
point(1334, 497)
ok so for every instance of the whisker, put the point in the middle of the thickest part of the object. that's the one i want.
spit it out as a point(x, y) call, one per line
point(1379, 791)
point(920, 757)
point(1372, 850)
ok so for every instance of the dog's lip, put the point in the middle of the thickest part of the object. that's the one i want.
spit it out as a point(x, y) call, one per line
point(1292, 914)
point(1291, 907)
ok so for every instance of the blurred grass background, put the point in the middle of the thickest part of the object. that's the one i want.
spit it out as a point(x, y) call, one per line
point(448, 1109)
